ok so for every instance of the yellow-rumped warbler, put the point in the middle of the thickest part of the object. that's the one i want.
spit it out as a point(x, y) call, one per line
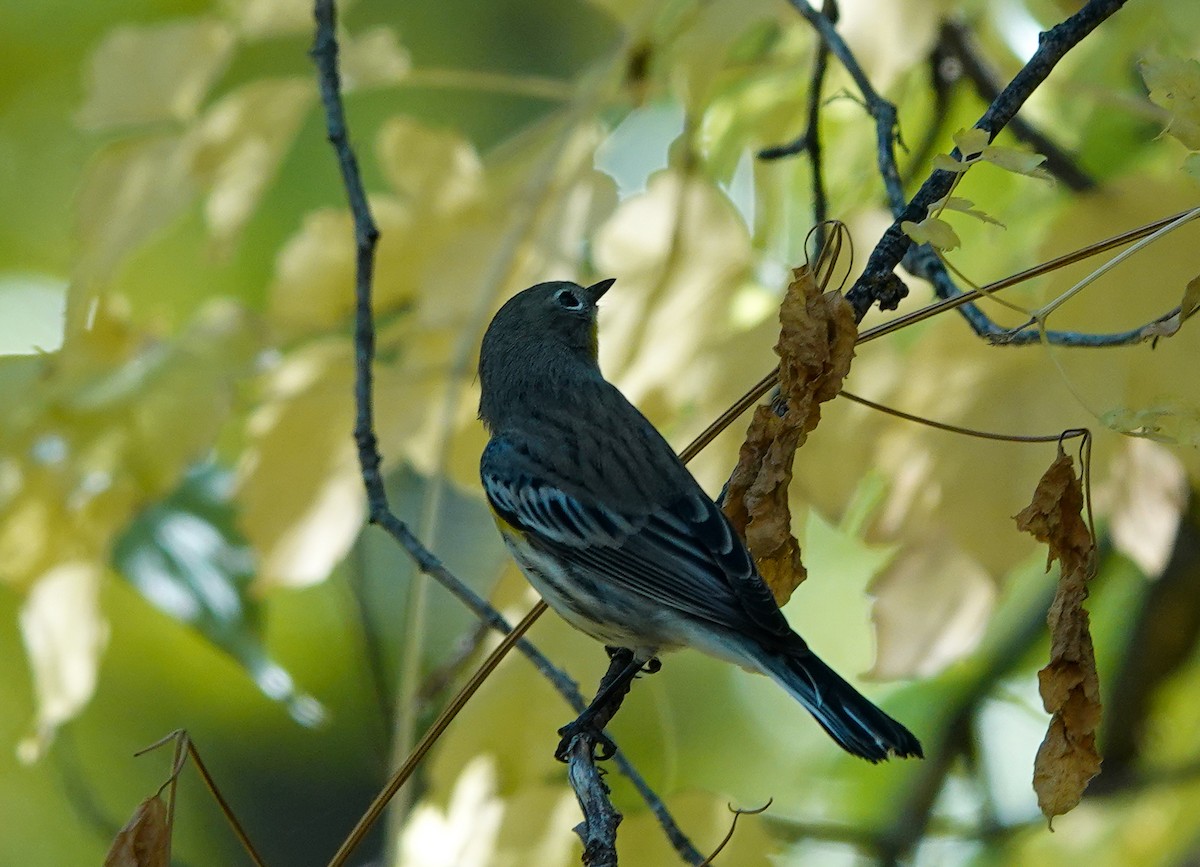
point(612, 530)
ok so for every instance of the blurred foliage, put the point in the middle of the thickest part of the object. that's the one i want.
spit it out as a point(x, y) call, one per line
point(180, 509)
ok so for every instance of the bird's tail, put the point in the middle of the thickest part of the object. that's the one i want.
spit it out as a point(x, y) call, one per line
point(858, 726)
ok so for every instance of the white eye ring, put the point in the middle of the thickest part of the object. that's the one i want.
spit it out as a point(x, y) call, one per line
point(568, 299)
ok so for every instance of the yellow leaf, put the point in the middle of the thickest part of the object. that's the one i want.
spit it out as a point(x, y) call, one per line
point(947, 163)
point(130, 193)
point(971, 142)
point(468, 827)
point(1174, 84)
point(262, 19)
point(108, 423)
point(1014, 160)
point(1149, 494)
point(1191, 298)
point(145, 841)
point(1070, 687)
point(313, 288)
point(432, 170)
point(974, 146)
point(158, 72)
point(932, 604)
point(1147, 392)
point(963, 206)
point(1174, 423)
point(676, 250)
point(299, 491)
point(64, 635)
point(238, 145)
point(372, 58)
point(31, 313)
point(933, 231)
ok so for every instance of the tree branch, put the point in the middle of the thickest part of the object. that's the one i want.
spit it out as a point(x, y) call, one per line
point(880, 109)
point(878, 282)
point(366, 236)
point(810, 140)
point(598, 830)
point(944, 74)
point(958, 42)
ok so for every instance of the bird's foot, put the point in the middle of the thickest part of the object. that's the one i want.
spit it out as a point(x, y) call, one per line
point(602, 747)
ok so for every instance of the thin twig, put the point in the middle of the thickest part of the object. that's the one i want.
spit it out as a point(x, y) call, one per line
point(771, 379)
point(878, 282)
point(226, 810)
point(183, 741)
point(810, 140)
point(324, 54)
point(598, 830)
point(1001, 336)
point(959, 42)
point(944, 73)
point(965, 431)
point(427, 741)
point(737, 814)
point(881, 110)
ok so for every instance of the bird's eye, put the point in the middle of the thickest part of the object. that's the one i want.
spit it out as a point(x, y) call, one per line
point(568, 299)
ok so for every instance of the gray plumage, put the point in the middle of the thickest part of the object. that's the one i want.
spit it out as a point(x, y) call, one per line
point(616, 534)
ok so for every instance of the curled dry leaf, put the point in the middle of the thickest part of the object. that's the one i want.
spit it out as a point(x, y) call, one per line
point(816, 344)
point(1067, 758)
point(145, 841)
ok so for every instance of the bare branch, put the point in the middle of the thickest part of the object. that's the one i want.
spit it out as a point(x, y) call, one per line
point(958, 42)
point(878, 282)
point(883, 111)
point(366, 234)
point(810, 140)
point(598, 830)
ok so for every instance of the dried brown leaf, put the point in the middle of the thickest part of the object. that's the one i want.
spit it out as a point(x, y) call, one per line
point(145, 841)
point(1070, 688)
point(816, 344)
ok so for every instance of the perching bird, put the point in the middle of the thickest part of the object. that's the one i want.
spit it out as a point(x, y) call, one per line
point(615, 533)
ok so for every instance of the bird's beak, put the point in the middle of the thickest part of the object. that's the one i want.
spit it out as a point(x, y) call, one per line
point(596, 290)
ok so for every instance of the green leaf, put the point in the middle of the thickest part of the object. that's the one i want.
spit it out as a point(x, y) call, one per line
point(186, 556)
point(64, 635)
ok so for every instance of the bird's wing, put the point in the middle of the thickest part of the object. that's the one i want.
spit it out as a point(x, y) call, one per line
point(682, 555)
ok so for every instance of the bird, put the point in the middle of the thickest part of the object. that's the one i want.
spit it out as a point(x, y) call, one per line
point(615, 533)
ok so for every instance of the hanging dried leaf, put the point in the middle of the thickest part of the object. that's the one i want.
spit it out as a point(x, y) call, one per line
point(145, 841)
point(816, 343)
point(1067, 758)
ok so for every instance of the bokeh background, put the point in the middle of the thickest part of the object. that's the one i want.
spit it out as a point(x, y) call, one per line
point(181, 539)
